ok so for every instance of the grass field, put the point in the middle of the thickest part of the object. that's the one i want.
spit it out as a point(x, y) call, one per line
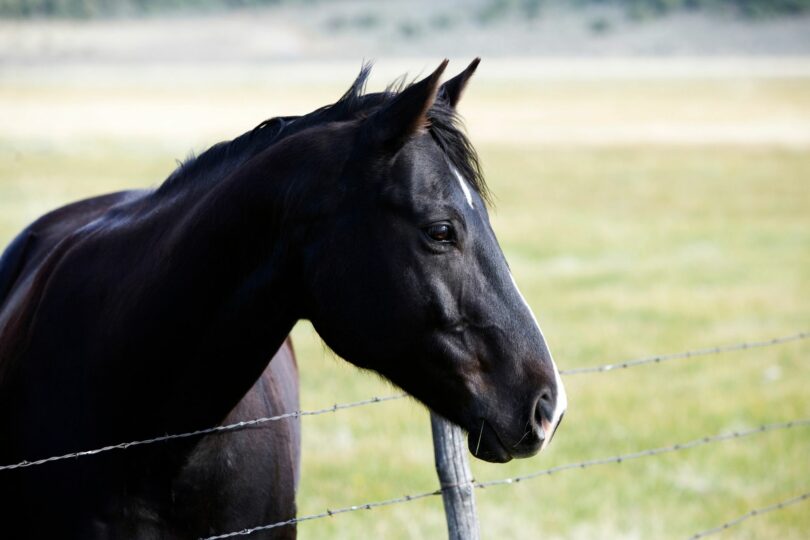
point(691, 230)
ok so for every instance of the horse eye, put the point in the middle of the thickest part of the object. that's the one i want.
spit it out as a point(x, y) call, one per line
point(441, 232)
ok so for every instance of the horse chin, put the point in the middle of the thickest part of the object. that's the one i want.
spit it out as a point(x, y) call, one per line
point(485, 444)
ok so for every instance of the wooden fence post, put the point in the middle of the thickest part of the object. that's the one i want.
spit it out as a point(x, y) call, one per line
point(450, 451)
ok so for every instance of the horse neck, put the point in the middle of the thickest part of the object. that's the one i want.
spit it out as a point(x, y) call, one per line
point(235, 263)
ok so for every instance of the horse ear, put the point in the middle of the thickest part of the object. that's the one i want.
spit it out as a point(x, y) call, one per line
point(451, 90)
point(406, 113)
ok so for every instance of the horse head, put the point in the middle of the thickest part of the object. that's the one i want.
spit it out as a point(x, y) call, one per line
point(407, 278)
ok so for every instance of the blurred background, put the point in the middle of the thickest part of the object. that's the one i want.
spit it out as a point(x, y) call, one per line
point(650, 165)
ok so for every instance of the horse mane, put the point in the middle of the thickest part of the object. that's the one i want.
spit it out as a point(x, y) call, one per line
point(445, 126)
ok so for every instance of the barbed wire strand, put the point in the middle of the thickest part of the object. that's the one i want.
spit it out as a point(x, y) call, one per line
point(218, 429)
point(651, 452)
point(688, 354)
point(751, 513)
point(516, 479)
point(342, 406)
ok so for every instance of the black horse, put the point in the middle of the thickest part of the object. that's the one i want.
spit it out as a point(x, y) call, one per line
point(139, 313)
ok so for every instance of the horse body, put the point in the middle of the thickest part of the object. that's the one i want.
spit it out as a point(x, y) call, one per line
point(149, 312)
point(221, 479)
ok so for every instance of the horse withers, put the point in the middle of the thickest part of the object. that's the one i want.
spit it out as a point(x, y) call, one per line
point(147, 312)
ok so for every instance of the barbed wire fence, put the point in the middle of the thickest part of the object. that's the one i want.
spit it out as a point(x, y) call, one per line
point(677, 447)
point(694, 353)
point(604, 368)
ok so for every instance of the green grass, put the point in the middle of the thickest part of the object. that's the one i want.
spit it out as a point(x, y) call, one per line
point(623, 251)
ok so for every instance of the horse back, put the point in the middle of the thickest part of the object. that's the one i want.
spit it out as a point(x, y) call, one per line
point(24, 255)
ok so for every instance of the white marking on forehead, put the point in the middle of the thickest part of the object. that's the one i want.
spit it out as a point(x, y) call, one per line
point(464, 187)
point(562, 397)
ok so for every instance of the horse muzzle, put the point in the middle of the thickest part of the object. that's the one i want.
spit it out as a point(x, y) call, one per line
point(489, 443)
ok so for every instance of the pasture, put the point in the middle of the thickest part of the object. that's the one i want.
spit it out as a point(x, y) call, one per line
point(640, 215)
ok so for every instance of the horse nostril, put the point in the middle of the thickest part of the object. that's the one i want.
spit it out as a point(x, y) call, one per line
point(545, 406)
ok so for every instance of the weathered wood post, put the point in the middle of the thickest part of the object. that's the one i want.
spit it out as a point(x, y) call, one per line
point(455, 478)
